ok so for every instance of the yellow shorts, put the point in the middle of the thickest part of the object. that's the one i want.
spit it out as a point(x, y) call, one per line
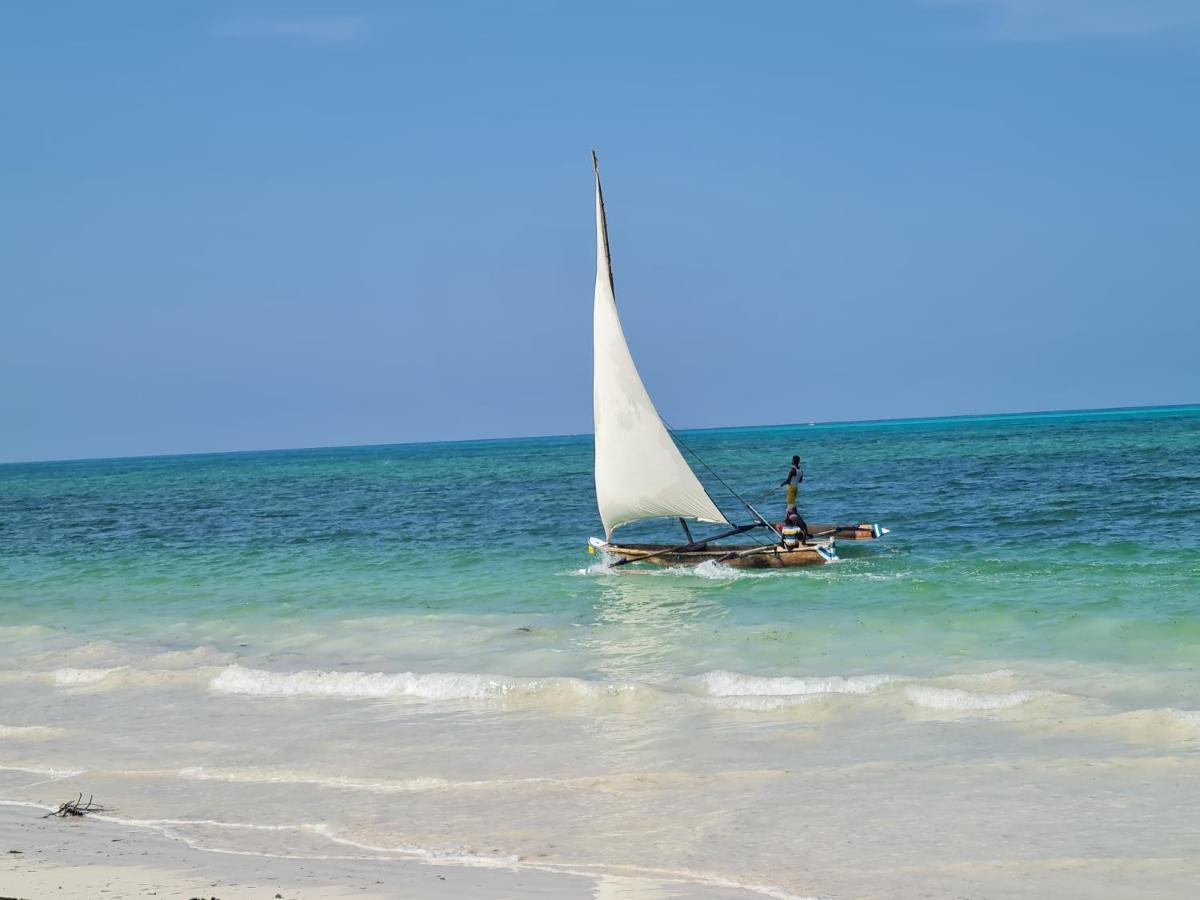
point(791, 495)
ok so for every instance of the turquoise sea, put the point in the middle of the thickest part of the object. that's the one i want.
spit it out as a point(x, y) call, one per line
point(1001, 693)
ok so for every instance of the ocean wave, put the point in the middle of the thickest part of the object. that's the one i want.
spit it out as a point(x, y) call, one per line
point(616, 782)
point(434, 686)
point(314, 779)
point(721, 683)
point(718, 689)
point(43, 771)
point(957, 699)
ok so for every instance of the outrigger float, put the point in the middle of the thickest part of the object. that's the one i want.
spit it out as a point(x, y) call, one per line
point(641, 473)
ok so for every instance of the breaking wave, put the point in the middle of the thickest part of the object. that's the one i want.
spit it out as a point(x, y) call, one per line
point(941, 698)
point(631, 781)
point(721, 683)
point(719, 689)
point(432, 687)
point(714, 690)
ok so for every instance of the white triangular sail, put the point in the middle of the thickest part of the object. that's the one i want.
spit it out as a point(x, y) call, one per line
point(640, 473)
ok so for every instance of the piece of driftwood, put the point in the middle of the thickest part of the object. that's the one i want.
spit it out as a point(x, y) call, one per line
point(77, 807)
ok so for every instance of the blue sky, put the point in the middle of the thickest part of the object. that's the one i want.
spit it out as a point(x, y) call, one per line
point(233, 226)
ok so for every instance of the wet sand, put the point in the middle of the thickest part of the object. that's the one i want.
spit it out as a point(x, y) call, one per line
point(86, 859)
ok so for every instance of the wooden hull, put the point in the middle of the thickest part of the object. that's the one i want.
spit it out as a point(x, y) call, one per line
point(747, 556)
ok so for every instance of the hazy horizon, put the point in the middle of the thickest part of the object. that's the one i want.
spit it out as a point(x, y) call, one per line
point(1012, 414)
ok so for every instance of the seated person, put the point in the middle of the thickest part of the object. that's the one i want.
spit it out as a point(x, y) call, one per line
point(792, 518)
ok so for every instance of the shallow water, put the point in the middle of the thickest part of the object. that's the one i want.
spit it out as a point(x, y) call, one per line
point(999, 698)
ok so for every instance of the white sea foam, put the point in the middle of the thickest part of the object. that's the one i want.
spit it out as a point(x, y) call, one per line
point(293, 777)
point(43, 771)
point(178, 829)
point(941, 698)
point(457, 855)
point(436, 686)
point(721, 683)
point(449, 686)
point(718, 689)
point(593, 569)
point(614, 782)
point(710, 569)
point(715, 571)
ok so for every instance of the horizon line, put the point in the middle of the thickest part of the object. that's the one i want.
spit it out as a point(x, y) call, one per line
point(579, 434)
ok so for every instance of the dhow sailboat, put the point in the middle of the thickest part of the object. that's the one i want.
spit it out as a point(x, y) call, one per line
point(641, 473)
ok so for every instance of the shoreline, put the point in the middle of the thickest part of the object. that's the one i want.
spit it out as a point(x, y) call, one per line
point(80, 859)
point(91, 856)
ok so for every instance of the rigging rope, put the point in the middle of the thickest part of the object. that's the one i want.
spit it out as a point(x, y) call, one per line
point(713, 473)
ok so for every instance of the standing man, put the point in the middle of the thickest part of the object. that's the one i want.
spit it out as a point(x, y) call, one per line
point(794, 477)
